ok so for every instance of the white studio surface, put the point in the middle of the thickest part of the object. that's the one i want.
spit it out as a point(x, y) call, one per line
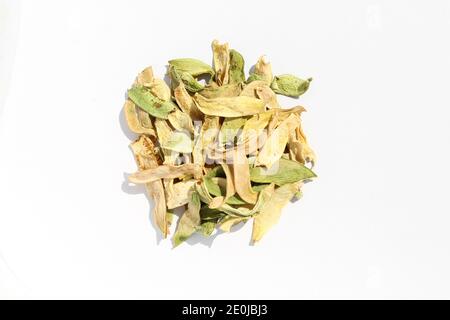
point(374, 225)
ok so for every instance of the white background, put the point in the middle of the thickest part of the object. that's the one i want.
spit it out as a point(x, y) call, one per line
point(374, 225)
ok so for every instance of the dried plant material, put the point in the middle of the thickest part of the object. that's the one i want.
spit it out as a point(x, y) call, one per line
point(216, 202)
point(249, 89)
point(220, 187)
point(230, 188)
point(283, 172)
point(210, 215)
point(276, 143)
point(186, 78)
point(147, 101)
point(228, 222)
point(271, 210)
point(236, 71)
point(189, 221)
point(241, 177)
point(216, 185)
point(145, 153)
point(179, 193)
point(225, 151)
point(179, 142)
point(181, 121)
point(268, 96)
point(163, 171)
point(299, 149)
point(160, 89)
point(263, 196)
point(206, 137)
point(146, 158)
point(192, 66)
point(136, 121)
point(229, 106)
point(186, 103)
point(164, 132)
point(169, 218)
point(306, 154)
point(207, 228)
point(231, 127)
point(144, 119)
point(283, 114)
point(145, 77)
point(254, 128)
point(223, 187)
point(289, 85)
point(262, 71)
point(228, 90)
point(221, 58)
point(220, 182)
point(156, 191)
point(202, 190)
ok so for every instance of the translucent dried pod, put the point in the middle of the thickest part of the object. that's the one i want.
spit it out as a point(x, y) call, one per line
point(160, 89)
point(236, 71)
point(268, 96)
point(145, 77)
point(146, 158)
point(241, 176)
point(275, 144)
point(221, 58)
point(307, 153)
point(179, 194)
point(194, 67)
point(254, 127)
point(214, 91)
point(180, 142)
point(229, 106)
point(181, 121)
point(147, 101)
point(249, 89)
point(207, 136)
point(186, 103)
point(262, 71)
point(164, 132)
point(186, 78)
point(189, 221)
point(230, 188)
point(263, 197)
point(230, 129)
point(289, 85)
point(283, 172)
point(216, 202)
point(138, 121)
point(271, 210)
point(163, 172)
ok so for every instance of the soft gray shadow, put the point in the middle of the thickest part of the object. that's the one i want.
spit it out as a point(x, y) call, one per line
point(252, 69)
point(166, 78)
point(132, 188)
point(198, 238)
point(140, 189)
point(208, 241)
point(237, 227)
